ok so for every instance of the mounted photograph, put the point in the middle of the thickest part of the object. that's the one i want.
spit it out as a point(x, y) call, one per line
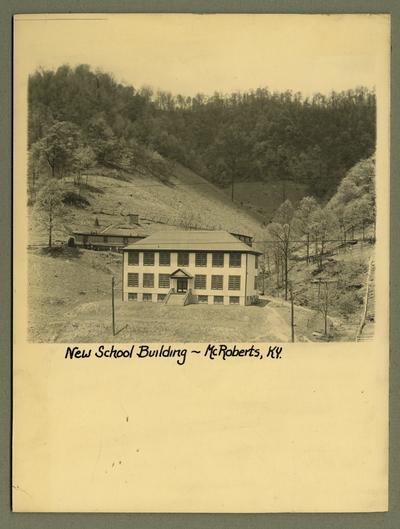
point(237, 204)
point(201, 263)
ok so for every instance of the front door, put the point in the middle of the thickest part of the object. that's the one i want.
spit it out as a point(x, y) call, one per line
point(182, 284)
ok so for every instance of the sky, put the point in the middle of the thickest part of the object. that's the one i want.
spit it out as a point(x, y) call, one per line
point(191, 54)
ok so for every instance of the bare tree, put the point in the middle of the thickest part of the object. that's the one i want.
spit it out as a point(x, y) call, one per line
point(323, 225)
point(281, 231)
point(303, 218)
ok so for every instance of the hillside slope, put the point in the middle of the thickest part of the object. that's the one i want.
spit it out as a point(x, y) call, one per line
point(263, 198)
point(250, 136)
point(186, 200)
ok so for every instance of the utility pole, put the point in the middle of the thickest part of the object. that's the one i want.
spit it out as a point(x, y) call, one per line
point(326, 306)
point(292, 312)
point(112, 304)
point(263, 279)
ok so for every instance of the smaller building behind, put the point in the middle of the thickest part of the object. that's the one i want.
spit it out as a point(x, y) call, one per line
point(112, 238)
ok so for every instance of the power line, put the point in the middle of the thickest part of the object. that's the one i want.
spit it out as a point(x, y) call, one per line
point(228, 187)
point(221, 243)
point(349, 241)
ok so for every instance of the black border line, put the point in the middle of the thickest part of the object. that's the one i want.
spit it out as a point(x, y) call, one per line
point(390, 520)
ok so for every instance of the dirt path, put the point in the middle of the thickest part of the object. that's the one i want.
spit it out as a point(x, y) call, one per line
point(308, 320)
point(276, 328)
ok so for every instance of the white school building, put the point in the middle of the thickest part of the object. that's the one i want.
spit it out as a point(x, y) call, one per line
point(182, 267)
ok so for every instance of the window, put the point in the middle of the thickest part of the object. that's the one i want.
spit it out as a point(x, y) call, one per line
point(234, 283)
point(147, 297)
point(148, 258)
point(235, 259)
point(201, 259)
point(217, 282)
point(165, 258)
point(85, 239)
point(255, 283)
point(183, 258)
point(161, 297)
point(148, 280)
point(202, 299)
point(200, 281)
point(218, 300)
point(105, 238)
point(133, 258)
point(163, 281)
point(132, 296)
point(218, 259)
point(256, 258)
point(233, 300)
point(133, 280)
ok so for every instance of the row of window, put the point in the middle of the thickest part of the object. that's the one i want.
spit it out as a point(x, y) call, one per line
point(235, 259)
point(217, 300)
point(132, 296)
point(200, 281)
point(103, 238)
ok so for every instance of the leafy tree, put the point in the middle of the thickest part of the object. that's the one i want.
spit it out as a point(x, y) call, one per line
point(228, 138)
point(354, 202)
point(58, 146)
point(102, 140)
point(35, 166)
point(49, 204)
point(83, 159)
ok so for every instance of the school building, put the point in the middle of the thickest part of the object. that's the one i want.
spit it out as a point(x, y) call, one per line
point(183, 267)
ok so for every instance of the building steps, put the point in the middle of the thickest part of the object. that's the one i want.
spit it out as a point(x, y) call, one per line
point(176, 299)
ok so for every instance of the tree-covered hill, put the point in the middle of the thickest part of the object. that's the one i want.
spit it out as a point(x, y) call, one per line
point(78, 117)
point(354, 204)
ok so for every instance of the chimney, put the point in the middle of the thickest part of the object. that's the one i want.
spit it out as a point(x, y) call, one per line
point(133, 218)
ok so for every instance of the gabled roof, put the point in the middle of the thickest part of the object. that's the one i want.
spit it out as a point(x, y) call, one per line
point(119, 229)
point(113, 233)
point(112, 230)
point(180, 273)
point(192, 240)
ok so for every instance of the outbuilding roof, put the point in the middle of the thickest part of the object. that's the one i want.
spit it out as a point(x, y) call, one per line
point(192, 240)
point(112, 230)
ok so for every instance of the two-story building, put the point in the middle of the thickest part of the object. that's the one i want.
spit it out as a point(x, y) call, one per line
point(182, 267)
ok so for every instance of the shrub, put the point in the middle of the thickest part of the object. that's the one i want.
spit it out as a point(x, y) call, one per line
point(70, 198)
point(348, 303)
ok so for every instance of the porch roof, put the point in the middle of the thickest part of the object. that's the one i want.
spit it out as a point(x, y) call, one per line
point(180, 273)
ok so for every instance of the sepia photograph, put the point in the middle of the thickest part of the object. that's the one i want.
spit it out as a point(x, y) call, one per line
point(201, 263)
point(214, 197)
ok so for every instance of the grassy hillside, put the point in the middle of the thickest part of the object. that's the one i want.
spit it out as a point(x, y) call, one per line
point(69, 300)
point(73, 282)
point(263, 198)
point(186, 200)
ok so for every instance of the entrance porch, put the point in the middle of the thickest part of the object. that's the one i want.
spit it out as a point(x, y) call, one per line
point(181, 284)
point(181, 281)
